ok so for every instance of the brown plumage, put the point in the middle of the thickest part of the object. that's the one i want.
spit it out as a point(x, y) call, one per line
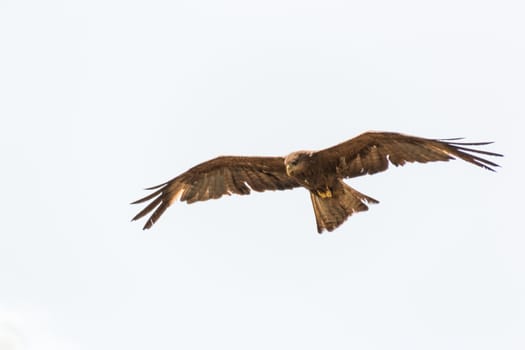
point(321, 172)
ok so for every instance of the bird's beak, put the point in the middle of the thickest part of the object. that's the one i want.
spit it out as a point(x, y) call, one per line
point(288, 170)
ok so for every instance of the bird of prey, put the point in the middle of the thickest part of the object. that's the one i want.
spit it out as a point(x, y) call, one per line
point(320, 172)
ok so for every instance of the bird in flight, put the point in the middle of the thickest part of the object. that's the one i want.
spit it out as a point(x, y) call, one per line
point(320, 172)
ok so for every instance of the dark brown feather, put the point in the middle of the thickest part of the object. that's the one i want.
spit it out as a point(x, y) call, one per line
point(371, 152)
point(331, 212)
point(215, 178)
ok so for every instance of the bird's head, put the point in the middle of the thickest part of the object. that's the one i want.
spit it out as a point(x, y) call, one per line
point(295, 162)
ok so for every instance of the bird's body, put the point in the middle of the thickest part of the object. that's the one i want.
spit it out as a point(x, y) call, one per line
point(320, 172)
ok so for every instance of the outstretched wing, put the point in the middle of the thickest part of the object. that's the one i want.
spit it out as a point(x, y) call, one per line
point(215, 178)
point(371, 152)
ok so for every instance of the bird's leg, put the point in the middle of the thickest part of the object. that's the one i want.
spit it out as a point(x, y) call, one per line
point(327, 193)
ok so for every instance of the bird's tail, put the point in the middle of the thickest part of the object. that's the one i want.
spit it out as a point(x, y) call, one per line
point(333, 209)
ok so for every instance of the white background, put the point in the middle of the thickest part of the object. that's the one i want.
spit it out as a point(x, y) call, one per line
point(99, 99)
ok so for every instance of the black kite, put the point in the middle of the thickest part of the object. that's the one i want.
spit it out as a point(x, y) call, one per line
point(320, 172)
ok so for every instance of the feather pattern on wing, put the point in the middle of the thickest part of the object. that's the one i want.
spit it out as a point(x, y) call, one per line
point(224, 175)
point(371, 152)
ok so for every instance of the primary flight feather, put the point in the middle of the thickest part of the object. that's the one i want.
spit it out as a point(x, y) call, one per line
point(320, 172)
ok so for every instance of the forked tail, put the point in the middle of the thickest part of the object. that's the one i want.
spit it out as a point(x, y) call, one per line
point(332, 211)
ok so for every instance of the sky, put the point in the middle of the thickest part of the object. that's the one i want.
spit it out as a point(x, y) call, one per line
point(101, 99)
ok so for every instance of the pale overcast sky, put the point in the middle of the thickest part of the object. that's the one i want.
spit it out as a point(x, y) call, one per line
point(99, 99)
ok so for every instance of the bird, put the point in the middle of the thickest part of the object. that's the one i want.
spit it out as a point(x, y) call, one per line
point(320, 172)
